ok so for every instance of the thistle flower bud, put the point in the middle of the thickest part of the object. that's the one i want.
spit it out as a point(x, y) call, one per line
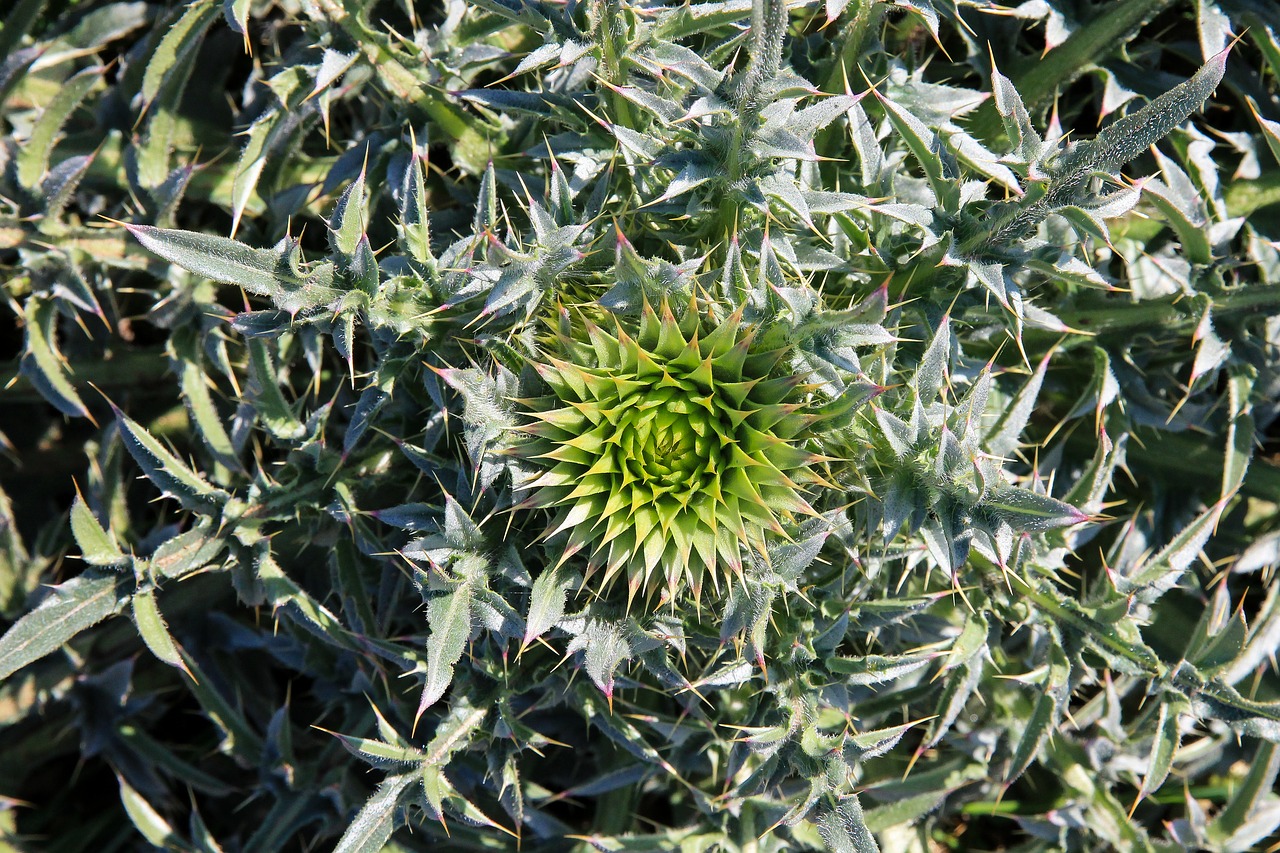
point(666, 454)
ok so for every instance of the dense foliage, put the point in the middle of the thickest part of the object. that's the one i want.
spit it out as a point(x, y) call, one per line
point(740, 425)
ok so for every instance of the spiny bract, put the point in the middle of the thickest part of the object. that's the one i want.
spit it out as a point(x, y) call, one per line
point(668, 453)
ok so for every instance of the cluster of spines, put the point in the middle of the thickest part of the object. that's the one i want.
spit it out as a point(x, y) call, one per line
point(666, 455)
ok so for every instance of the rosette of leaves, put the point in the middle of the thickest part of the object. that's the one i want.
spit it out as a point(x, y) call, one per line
point(667, 453)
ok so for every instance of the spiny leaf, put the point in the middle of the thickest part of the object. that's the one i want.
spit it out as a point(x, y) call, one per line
point(33, 157)
point(844, 828)
point(262, 272)
point(377, 819)
point(144, 817)
point(449, 618)
point(1028, 510)
point(876, 669)
point(1123, 140)
point(378, 753)
point(154, 631)
point(1045, 714)
point(1161, 573)
point(347, 225)
point(70, 608)
point(547, 600)
point(97, 546)
point(1256, 785)
point(1168, 735)
point(276, 413)
point(1002, 438)
point(188, 551)
point(168, 473)
point(179, 41)
point(42, 363)
point(605, 646)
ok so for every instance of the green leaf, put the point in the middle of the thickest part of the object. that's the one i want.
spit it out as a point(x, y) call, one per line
point(145, 818)
point(347, 225)
point(58, 187)
point(1123, 140)
point(70, 608)
point(449, 621)
point(844, 829)
point(415, 223)
point(1013, 112)
point(42, 363)
point(195, 384)
point(180, 42)
point(547, 600)
point(1162, 572)
point(1219, 638)
point(276, 413)
point(927, 149)
point(1240, 437)
point(769, 21)
point(1003, 437)
point(237, 15)
point(154, 631)
point(1108, 30)
point(878, 741)
point(1045, 716)
point(486, 215)
point(1257, 785)
point(876, 669)
point(1165, 743)
point(376, 820)
point(1024, 509)
point(188, 551)
point(284, 594)
point(252, 162)
point(166, 471)
point(33, 155)
point(1270, 130)
point(931, 374)
point(262, 272)
point(1185, 217)
point(379, 753)
point(364, 268)
point(1263, 639)
point(97, 546)
point(605, 644)
point(440, 792)
point(960, 685)
point(454, 732)
point(970, 642)
point(1215, 699)
point(1095, 481)
point(897, 432)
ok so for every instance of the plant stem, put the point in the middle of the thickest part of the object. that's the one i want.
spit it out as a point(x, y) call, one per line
point(1112, 315)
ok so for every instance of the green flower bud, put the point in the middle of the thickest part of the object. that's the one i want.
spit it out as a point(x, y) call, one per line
point(666, 455)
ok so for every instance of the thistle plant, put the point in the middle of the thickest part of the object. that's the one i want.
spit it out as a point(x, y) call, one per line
point(624, 426)
point(669, 452)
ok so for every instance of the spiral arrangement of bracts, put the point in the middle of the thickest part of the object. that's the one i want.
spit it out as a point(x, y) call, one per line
point(668, 454)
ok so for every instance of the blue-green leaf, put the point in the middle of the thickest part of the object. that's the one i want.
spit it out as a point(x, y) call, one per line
point(69, 608)
point(42, 363)
point(168, 473)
